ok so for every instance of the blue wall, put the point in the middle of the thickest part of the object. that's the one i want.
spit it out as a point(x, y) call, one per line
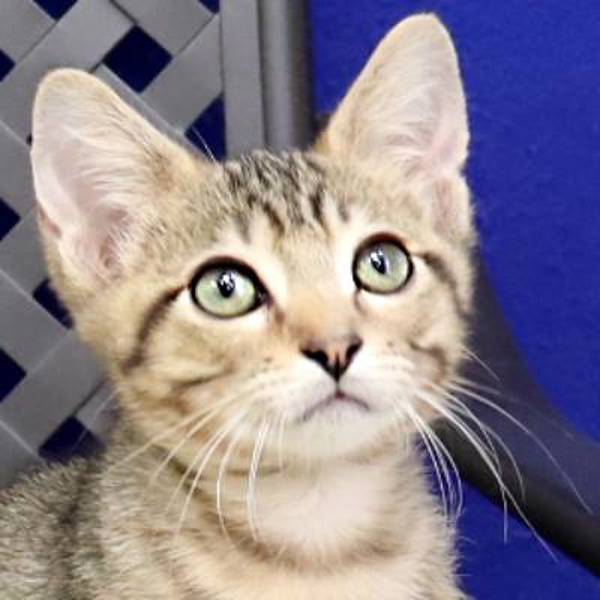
point(532, 72)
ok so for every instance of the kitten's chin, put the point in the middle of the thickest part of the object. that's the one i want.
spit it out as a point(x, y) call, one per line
point(338, 429)
point(335, 407)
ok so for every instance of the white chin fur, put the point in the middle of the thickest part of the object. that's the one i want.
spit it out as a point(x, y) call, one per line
point(335, 433)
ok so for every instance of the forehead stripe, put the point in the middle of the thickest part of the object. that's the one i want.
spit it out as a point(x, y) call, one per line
point(268, 210)
point(315, 199)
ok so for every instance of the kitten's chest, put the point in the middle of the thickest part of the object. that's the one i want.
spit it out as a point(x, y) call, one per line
point(401, 578)
point(349, 534)
point(324, 516)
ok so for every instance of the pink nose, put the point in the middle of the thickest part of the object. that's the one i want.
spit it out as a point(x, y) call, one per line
point(334, 355)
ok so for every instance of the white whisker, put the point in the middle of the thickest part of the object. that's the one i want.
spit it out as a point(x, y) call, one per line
point(432, 455)
point(207, 150)
point(213, 444)
point(216, 410)
point(252, 477)
point(512, 419)
point(476, 385)
point(252, 391)
point(281, 431)
point(489, 433)
point(490, 461)
point(219, 487)
point(437, 442)
point(470, 354)
point(476, 443)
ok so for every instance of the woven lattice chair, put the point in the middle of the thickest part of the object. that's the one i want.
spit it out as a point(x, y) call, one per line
point(231, 76)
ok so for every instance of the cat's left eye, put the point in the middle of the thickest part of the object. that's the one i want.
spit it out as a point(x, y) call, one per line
point(227, 291)
point(382, 267)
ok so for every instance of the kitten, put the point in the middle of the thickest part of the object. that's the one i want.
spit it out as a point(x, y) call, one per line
point(278, 328)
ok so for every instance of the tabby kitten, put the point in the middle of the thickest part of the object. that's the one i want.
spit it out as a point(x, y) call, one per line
point(278, 327)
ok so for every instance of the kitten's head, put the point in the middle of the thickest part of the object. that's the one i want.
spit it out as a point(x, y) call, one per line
point(322, 294)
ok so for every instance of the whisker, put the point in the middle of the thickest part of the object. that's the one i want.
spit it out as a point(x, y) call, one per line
point(466, 411)
point(489, 433)
point(192, 466)
point(476, 443)
point(207, 150)
point(512, 419)
point(477, 386)
point(256, 387)
point(213, 444)
point(223, 403)
point(161, 436)
point(432, 455)
point(490, 461)
point(214, 412)
point(470, 354)
point(252, 476)
point(436, 441)
point(222, 469)
point(281, 428)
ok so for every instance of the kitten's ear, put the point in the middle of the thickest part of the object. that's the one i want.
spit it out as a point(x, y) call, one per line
point(98, 169)
point(406, 111)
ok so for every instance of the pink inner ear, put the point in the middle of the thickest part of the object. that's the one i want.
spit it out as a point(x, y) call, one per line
point(93, 243)
point(448, 145)
point(97, 242)
point(77, 209)
point(119, 223)
point(94, 162)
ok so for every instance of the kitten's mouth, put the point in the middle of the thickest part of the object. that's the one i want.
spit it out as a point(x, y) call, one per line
point(335, 401)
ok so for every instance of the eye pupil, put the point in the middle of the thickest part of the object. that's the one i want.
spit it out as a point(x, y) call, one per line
point(226, 284)
point(379, 261)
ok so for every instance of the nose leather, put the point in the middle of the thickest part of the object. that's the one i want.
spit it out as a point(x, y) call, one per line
point(333, 356)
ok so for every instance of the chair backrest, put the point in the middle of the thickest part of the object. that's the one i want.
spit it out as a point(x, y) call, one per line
point(231, 74)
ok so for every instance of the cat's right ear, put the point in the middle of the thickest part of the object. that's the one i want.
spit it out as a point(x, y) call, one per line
point(99, 171)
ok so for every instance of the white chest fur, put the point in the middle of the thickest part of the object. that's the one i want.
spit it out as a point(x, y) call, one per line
point(326, 511)
point(327, 519)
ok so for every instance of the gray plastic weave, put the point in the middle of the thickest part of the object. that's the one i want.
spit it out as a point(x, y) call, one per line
point(211, 56)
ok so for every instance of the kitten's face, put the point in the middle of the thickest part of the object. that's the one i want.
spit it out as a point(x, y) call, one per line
point(295, 237)
point(317, 300)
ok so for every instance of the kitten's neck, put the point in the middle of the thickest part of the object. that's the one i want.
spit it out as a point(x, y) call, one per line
point(333, 513)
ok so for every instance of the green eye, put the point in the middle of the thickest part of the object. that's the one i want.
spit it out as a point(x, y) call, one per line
point(382, 267)
point(226, 291)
